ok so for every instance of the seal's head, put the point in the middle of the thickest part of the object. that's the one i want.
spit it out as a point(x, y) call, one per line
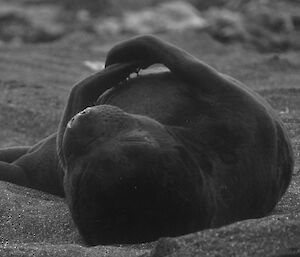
point(127, 180)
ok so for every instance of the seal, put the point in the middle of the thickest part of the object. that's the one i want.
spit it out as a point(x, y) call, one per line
point(161, 154)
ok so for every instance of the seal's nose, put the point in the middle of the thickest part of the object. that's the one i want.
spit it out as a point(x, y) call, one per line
point(79, 116)
point(85, 111)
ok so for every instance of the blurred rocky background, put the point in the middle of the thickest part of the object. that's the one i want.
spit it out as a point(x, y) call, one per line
point(267, 25)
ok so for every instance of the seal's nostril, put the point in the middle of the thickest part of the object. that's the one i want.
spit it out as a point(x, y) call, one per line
point(79, 117)
point(85, 111)
point(71, 122)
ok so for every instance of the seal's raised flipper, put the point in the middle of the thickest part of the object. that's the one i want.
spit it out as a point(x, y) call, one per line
point(148, 50)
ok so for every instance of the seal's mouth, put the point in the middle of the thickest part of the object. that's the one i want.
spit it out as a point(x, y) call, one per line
point(133, 138)
point(130, 140)
point(139, 139)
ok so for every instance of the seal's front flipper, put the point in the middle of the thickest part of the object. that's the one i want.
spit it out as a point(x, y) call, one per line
point(11, 154)
point(13, 173)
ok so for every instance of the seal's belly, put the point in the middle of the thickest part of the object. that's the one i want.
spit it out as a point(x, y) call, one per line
point(160, 96)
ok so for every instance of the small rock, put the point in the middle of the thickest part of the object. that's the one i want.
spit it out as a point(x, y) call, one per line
point(225, 25)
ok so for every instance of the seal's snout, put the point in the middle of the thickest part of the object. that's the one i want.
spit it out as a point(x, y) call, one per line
point(85, 111)
point(98, 123)
point(79, 117)
point(102, 117)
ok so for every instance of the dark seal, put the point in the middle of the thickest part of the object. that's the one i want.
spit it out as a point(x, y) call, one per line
point(161, 154)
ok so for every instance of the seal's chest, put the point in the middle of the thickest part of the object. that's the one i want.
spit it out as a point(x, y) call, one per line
point(160, 96)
